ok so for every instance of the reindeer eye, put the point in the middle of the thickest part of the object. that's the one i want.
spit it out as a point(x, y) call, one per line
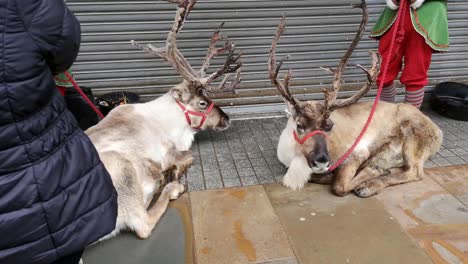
point(203, 104)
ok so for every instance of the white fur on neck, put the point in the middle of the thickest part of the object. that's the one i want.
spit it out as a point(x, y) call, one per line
point(169, 119)
point(417, 4)
point(287, 146)
point(298, 173)
point(392, 5)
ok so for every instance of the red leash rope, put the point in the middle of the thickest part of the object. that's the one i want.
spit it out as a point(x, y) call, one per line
point(78, 89)
point(395, 38)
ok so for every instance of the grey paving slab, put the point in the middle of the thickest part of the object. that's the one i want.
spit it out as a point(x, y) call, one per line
point(165, 245)
point(430, 164)
point(211, 175)
point(441, 161)
point(196, 185)
point(239, 227)
point(258, 162)
point(240, 156)
point(246, 172)
point(247, 181)
point(246, 153)
point(278, 177)
point(456, 160)
point(262, 171)
point(433, 212)
point(323, 228)
point(226, 165)
point(183, 180)
point(264, 179)
point(465, 158)
point(224, 157)
point(232, 182)
point(243, 164)
point(446, 153)
point(214, 183)
point(229, 173)
point(254, 154)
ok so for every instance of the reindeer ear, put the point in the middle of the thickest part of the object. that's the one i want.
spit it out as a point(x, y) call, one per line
point(293, 107)
point(181, 92)
point(328, 125)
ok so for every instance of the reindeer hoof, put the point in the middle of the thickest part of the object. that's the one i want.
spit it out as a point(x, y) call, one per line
point(174, 189)
point(364, 192)
point(294, 183)
point(368, 189)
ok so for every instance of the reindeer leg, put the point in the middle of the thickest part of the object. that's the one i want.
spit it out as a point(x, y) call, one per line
point(344, 176)
point(298, 173)
point(414, 153)
point(178, 163)
point(144, 223)
point(367, 174)
point(326, 179)
point(397, 176)
point(183, 160)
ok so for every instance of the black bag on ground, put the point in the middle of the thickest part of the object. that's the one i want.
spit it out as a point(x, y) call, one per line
point(450, 99)
point(82, 111)
point(109, 101)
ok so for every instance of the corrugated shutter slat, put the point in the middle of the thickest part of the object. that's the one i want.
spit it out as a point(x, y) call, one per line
point(318, 34)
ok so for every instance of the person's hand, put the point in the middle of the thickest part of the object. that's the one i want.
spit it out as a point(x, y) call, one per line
point(393, 4)
point(415, 4)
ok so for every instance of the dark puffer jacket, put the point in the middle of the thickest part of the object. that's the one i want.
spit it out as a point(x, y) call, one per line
point(55, 195)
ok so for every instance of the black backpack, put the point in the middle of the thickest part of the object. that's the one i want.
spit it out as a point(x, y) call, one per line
point(78, 106)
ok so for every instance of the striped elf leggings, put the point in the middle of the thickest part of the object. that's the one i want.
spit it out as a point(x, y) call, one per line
point(416, 56)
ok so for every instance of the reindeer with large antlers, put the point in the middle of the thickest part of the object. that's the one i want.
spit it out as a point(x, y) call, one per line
point(393, 151)
point(145, 147)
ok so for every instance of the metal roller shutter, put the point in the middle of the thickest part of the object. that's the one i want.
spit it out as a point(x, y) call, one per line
point(318, 32)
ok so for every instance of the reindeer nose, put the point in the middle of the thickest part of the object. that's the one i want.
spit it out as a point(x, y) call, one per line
point(226, 121)
point(223, 123)
point(320, 161)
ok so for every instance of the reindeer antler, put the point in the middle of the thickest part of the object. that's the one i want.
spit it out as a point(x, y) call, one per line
point(171, 53)
point(173, 56)
point(371, 78)
point(232, 63)
point(273, 69)
point(331, 103)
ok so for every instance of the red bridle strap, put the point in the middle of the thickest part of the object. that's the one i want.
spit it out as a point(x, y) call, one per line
point(309, 135)
point(189, 112)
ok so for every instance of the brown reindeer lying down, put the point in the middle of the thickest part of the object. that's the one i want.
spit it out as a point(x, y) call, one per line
point(393, 151)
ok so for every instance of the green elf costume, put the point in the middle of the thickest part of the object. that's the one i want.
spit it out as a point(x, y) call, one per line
point(423, 31)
